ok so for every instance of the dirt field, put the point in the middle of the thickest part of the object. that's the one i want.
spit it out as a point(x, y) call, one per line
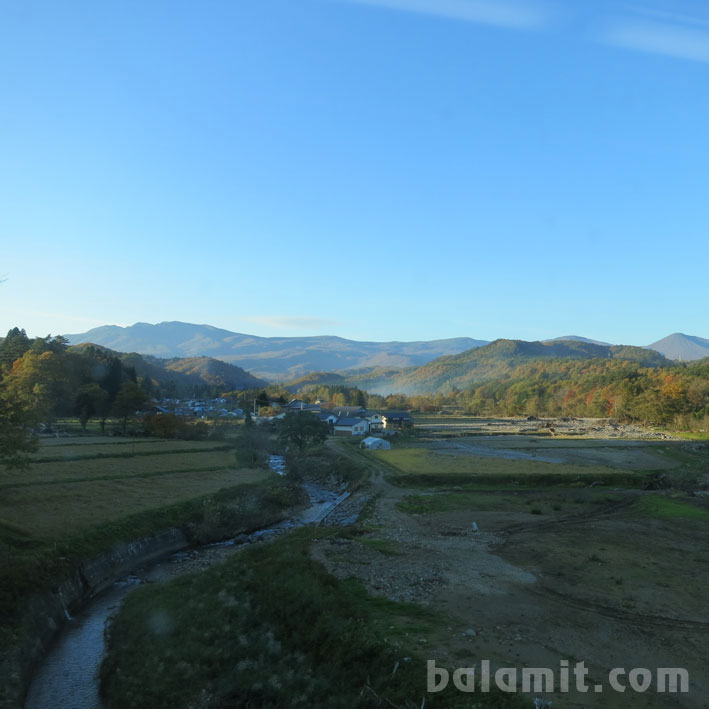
point(612, 576)
point(567, 426)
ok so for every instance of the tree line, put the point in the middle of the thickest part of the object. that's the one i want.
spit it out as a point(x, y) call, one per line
point(675, 394)
point(42, 379)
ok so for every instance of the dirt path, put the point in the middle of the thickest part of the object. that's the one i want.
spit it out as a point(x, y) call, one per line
point(504, 596)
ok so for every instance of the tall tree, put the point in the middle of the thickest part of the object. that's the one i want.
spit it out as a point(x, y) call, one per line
point(42, 383)
point(90, 400)
point(302, 429)
point(15, 344)
point(129, 400)
point(16, 441)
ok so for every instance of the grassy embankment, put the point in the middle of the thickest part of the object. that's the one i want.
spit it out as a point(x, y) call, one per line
point(270, 628)
point(80, 496)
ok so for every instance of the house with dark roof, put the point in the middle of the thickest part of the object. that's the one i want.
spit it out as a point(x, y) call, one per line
point(349, 411)
point(396, 419)
point(328, 417)
point(295, 404)
point(374, 420)
point(351, 426)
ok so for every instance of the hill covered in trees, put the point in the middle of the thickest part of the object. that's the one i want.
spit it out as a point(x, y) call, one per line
point(674, 394)
point(491, 362)
point(559, 378)
point(186, 376)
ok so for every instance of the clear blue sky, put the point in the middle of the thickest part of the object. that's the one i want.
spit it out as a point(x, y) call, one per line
point(377, 169)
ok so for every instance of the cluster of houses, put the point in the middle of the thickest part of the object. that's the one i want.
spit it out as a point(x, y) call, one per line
point(353, 420)
point(343, 420)
point(201, 408)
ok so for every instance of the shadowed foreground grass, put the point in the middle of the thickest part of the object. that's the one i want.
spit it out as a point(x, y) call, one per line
point(269, 628)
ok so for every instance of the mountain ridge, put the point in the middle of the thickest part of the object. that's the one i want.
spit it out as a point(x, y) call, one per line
point(275, 358)
point(289, 358)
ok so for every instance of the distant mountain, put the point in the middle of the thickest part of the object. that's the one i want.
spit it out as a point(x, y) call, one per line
point(277, 358)
point(577, 338)
point(186, 374)
point(682, 347)
point(496, 360)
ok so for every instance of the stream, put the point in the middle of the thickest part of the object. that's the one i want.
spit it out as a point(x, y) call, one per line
point(67, 677)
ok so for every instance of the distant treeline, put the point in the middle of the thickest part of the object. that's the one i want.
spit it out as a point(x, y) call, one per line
point(625, 390)
point(630, 391)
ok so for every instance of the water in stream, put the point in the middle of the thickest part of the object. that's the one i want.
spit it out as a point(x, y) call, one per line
point(67, 677)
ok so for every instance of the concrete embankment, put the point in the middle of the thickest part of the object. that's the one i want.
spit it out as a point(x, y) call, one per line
point(47, 613)
point(66, 675)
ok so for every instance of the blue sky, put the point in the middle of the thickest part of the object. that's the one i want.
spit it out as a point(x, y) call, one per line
point(376, 169)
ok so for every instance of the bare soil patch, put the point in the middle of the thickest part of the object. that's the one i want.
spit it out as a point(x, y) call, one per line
point(579, 574)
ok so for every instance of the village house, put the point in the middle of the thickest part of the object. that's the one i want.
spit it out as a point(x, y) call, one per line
point(374, 420)
point(396, 420)
point(329, 418)
point(352, 426)
point(349, 411)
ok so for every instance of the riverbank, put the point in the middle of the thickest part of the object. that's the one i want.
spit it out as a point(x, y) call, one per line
point(50, 574)
point(68, 674)
point(269, 628)
point(46, 588)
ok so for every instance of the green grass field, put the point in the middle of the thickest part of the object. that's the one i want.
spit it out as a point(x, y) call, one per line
point(422, 467)
point(662, 507)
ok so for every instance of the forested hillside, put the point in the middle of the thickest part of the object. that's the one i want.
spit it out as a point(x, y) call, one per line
point(623, 389)
point(491, 362)
point(512, 378)
point(43, 378)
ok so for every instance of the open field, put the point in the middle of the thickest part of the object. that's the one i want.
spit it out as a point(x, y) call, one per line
point(72, 486)
point(49, 512)
point(523, 460)
point(53, 448)
point(561, 568)
point(79, 470)
point(457, 461)
point(566, 427)
point(80, 496)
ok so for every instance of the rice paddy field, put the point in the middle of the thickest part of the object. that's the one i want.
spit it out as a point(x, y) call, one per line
point(74, 485)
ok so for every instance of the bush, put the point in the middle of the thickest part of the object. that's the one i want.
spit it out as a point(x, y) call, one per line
point(175, 427)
